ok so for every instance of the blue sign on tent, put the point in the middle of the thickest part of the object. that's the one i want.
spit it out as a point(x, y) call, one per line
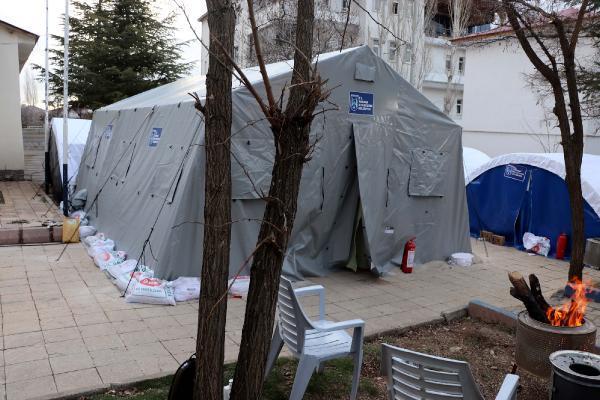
point(515, 172)
point(361, 103)
point(155, 137)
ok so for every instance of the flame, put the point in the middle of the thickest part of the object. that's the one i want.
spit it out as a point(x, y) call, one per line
point(572, 312)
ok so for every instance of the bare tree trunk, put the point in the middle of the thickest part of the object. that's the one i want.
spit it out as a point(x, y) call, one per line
point(571, 139)
point(291, 138)
point(573, 154)
point(212, 311)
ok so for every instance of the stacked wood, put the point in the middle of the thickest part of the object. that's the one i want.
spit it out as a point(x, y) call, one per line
point(532, 298)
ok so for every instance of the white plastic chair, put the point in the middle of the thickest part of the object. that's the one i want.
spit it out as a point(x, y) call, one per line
point(412, 375)
point(313, 342)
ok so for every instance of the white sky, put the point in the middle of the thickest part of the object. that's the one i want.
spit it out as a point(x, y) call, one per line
point(30, 15)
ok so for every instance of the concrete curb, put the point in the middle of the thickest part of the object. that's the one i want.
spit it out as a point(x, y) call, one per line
point(489, 313)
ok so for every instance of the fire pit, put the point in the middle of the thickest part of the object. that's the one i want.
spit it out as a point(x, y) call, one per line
point(575, 375)
point(543, 329)
point(537, 340)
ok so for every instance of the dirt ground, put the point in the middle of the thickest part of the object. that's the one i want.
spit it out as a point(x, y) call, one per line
point(488, 348)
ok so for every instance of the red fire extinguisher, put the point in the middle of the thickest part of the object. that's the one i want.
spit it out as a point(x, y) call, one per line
point(408, 259)
point(561, 246)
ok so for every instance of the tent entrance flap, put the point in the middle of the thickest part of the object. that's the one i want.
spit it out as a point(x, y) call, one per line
point(384, 238)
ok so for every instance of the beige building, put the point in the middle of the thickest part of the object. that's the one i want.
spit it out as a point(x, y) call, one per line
point(15, 46)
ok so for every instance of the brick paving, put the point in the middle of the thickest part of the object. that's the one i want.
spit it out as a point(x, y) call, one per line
point(25, 205)
point(65, 329)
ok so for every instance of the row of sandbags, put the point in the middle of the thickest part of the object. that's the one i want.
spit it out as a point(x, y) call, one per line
point(137, 281)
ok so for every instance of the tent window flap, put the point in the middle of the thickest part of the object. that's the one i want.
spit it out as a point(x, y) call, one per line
point(428, 171)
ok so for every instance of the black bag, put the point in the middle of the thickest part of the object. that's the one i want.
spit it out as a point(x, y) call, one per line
point(182, 385)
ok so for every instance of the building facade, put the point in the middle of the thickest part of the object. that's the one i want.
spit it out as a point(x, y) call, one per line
point(508, 108)
point(15, 46)
point(409, 34)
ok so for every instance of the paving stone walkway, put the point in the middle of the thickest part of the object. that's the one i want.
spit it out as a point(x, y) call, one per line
point(23, 204)
point(65, 329)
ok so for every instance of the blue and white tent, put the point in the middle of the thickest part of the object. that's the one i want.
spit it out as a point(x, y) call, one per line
point(524, 192)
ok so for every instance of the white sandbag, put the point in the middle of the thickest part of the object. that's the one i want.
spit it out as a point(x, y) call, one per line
point(100, 247)
point(81, 216)
point(150, 291)
point(125, 267)
point(186, 288)
point(107, 258)
point(461, 259)
point(238, 287)
point(536, 244)
point(129, 278)
point(89, 241)
point(85, 231)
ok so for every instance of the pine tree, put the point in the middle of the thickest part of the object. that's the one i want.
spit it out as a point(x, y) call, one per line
point(117, 48)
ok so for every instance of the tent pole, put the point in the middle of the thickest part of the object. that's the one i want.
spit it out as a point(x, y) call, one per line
point(46, 127)
point(65, 149)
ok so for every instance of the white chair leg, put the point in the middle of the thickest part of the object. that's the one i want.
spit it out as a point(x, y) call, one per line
point(356, 373)
point(276, 345)
point(306, 367)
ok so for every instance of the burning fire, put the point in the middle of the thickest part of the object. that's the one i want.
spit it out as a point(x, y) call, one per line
point(572, 312)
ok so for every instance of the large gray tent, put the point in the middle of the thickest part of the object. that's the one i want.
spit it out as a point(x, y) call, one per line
point(386, 154)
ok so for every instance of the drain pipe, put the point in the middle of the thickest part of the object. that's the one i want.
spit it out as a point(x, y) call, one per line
point(46, 127)
point(65, 149)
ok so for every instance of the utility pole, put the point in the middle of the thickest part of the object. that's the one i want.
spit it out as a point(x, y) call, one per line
point(65, 149)
point(46, 127)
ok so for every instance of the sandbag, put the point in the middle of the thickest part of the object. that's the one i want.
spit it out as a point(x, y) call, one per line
point(107, 258)
point(79, 199)
point(239, 286)
point(536, 244)
point(150, 291)
point(85, 231)
point(81, 216)
point(129, 278)
point(90, 240)
point(186, 288)
point(100, 247)
point(127, 266)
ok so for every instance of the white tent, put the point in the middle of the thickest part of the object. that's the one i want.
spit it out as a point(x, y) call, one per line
point(78, 134)
point(472, 160)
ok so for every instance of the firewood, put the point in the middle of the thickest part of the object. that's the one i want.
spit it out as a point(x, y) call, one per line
point(536, 289)
point(521, 291)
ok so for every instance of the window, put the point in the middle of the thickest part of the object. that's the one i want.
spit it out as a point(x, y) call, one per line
point(407, 53)
point(448, 63)
point(461, 65)
point(395, 8)
point(375, 46)
point(345, 4)
point(459, 106)
point(393, 47)
point(235, 53)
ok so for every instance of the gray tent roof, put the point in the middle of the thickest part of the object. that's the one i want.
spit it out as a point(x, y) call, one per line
point(386, 149)
point(178, 91)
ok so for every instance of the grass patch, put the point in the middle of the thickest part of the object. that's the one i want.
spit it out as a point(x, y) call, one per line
point(333, 383)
